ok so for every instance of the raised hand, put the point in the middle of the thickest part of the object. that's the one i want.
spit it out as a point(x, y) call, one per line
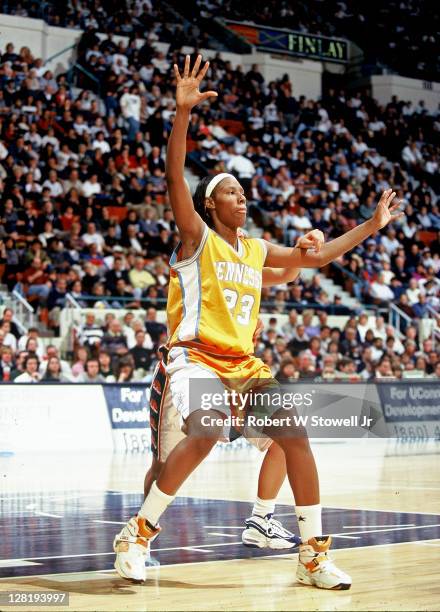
point(187, 91)
point(313, 239)
point(383, 213)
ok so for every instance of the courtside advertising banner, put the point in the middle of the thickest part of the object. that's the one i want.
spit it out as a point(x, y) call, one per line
point(129, 414)
point(411, 409)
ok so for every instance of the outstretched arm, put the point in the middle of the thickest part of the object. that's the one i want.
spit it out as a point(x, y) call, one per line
point(189, 223)
point(280, 257)
point(277, 276)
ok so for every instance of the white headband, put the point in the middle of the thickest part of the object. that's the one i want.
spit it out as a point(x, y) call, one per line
point(215, 181)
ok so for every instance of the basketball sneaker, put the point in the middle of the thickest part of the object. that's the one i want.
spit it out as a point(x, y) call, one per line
point(267, 533)
point(131, 546)
point(315, 567)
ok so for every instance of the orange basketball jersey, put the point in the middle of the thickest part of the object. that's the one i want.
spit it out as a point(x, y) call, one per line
point(214, 296)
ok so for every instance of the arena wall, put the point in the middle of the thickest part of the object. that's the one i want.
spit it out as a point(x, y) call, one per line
point(386, 86)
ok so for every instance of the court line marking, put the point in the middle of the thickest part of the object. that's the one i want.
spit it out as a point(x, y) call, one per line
point(222, 527)
point(110, 522)
point(225, 535)
point(112, 552)
point(48, 514)
point(163, 567)
point(377, 510)
point(202, 550)
point(228, 544)
point(390, 529)
point(371, 526)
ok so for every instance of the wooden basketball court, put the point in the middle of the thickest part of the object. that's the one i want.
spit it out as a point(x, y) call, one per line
point(381, 499)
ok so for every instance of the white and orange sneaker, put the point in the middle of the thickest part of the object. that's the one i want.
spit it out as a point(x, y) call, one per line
point(315, 567)
point(131, 546)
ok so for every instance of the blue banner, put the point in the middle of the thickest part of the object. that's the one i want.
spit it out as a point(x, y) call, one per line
point(410, 401)
point(128, 406)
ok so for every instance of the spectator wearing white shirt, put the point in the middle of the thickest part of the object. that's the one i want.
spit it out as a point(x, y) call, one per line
point(379, 328)
point(92, 237)
point(244, 168)
point(380, 291)
point(130, 103)
point(101, 143)
point(301, 221)
point(390, 242)
point(30, 374)
point(53, 184)
point(80, 126)
point(32, 334)
point(91, 186)
point(50, 138)
point(413, 291)
point(363, 326)
point(411, 155)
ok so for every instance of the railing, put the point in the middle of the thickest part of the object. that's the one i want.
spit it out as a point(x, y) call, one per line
point(23, 311)
point(433, 320)
point(72, 303)
point(52, 57)
point(395, 318)
point(77, 67)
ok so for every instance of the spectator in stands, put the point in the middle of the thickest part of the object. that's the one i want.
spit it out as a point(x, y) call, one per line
point(125, 370)
point(90, 334)
point(384, 369)
point(8, 316)
point(114, 341)
point(140, 278)
point(91, 373)
point(79, 362)
point(287, 372)
point(6, 363)
point(380, 292)
point(30, 374)
point(130, 103)
point(53, 371)
point(153, 327)
point(105, 366)
point(141, 355)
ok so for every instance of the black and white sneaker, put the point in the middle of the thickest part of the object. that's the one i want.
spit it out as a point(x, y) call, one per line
point(267, 533)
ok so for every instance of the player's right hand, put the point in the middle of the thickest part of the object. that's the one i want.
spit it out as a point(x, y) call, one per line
point(312, 240)
point(187, 91)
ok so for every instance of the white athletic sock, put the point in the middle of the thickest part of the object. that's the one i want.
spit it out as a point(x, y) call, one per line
point(309, 521)
point(155, 504)
point(262, 507)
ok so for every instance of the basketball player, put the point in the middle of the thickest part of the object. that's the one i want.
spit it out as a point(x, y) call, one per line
point(261, 530)
point(212, 309)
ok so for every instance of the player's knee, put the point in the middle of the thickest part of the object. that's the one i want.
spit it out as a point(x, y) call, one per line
point(296, 444)
point(203, 446)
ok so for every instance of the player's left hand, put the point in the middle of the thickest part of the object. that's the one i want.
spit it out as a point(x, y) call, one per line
point(312, 240)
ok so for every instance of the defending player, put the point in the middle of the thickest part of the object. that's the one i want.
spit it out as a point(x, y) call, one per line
point(213, 304)
point(261, 530)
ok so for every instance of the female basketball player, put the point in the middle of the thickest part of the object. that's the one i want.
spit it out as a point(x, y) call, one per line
point(213, 304)
point(261, 530)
